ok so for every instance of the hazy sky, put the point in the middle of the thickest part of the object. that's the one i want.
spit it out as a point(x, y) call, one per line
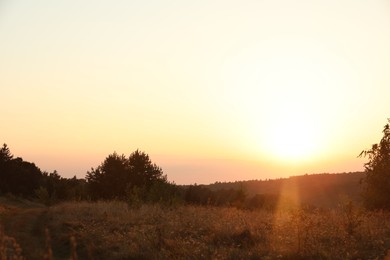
point(211, 90)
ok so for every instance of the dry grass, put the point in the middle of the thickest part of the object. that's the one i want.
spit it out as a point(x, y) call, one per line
point(112, 230)
point(9, 248)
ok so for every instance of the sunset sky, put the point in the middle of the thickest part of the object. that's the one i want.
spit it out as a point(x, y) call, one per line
point(212, 90)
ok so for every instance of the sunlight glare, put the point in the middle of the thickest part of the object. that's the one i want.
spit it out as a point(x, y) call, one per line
point(291, 139)
point(286, 96)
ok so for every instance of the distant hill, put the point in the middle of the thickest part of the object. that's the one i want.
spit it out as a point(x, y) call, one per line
point(321, 190)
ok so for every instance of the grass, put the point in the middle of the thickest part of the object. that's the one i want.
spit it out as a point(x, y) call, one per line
point(112, 230)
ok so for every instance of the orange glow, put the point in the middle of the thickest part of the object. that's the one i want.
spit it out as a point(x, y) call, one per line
point(213, 91)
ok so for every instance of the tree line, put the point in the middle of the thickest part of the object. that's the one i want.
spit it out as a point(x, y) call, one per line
point(25, 179)
point(136, 179)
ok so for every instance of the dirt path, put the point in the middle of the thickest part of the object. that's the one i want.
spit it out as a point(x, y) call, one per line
point(27, 226)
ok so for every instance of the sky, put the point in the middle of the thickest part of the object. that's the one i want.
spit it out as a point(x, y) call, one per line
point(212, 90)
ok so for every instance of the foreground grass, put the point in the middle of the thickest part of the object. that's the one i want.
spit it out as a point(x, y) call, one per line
point(112, 230)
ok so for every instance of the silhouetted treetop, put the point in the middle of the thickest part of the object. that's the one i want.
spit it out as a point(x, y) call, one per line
point(16, 175)
point(377, 180)
point(118, 174)
point(5, 154)
point(144, 172)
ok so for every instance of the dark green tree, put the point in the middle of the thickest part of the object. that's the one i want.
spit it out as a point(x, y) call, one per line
point(24, 178)
point(16, 175)
point(109, 180)
point(57, 188)
point(143, 172)
point(5, 168)
point(376, 192)
point(118, 175)
point(5, 154)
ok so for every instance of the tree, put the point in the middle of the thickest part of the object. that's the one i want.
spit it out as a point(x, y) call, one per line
point(5, 154)
point(143, 172)
point(118, 175)
point(5, 165)
point(54, 188)
point(16, 175)
point(24, 178)
point(109, 179)
point(377, 180)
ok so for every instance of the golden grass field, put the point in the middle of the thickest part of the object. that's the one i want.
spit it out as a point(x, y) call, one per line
point(113, 230)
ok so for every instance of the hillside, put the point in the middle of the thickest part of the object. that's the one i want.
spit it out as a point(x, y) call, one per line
point(322, 190)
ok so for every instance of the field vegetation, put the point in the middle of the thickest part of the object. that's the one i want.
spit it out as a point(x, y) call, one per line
point(116, 230)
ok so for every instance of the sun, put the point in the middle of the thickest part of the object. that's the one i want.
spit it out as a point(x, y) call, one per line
point(292, 138)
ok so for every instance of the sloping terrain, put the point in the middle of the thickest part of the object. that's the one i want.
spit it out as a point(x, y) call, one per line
point(320, 190)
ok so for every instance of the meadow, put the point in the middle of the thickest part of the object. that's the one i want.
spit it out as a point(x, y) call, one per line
point(115, 230)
